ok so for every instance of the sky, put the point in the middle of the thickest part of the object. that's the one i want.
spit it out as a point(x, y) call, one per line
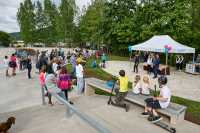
point(8, 11)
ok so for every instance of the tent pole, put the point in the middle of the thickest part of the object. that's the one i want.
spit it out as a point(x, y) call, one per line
point(193, 59)
point(166, 63)
point(130, 59)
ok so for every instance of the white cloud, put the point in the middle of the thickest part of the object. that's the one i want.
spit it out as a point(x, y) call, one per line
point(8, 11)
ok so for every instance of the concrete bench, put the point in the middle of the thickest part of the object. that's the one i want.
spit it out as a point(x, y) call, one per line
point(175, 112)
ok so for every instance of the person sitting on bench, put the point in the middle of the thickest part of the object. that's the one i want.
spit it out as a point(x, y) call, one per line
point(140, 87)
point(160, 102)
point(122, 92)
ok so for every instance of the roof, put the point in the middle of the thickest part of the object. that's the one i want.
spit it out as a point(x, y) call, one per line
point(158, 43)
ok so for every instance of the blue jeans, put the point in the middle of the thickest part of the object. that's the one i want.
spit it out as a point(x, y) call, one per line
point(155, 71)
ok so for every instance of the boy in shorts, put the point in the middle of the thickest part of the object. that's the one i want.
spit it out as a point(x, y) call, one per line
point(122, 92)
point(160, 102)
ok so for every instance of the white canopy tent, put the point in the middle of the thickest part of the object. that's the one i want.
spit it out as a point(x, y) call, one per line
point(157, 44)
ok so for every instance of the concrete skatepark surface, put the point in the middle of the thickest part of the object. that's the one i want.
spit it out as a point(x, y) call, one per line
point(47, 119)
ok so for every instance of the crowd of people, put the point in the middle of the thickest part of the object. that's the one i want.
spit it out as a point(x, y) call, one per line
point(12, 63)
point(152, 60)
point(54, 75)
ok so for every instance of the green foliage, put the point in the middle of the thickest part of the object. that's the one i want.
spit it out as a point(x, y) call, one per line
point(90, 23)
point(47, 23)
point(15, 35)
point(128, 22)
point(25, 17)
point(5, 39)
point(65, 19)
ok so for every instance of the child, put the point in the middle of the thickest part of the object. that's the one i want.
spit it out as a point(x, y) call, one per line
point(42, 83)
point(123, 90)
point(6, 64)
point(160, 102)
point(94, 64)
point(64, 82)
point(51, 82)
point(103, 60)
point(137, 85)
point(145, 86)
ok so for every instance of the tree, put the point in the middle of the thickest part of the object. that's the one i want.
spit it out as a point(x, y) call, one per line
point(5, 39)
point(40, 23)
point(66, 20)
point(91, 23)
point(50, 19)
point(25, 17)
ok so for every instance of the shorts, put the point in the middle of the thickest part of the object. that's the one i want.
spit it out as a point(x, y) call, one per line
point(152, 103)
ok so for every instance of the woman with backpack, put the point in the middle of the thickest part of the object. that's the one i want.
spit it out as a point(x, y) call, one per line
point(64, 82)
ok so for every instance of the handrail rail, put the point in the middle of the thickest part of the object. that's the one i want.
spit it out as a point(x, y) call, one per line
point(70, 108)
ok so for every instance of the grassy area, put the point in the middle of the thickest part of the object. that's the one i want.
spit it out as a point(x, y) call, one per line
point(193, 107)
point(119, 58)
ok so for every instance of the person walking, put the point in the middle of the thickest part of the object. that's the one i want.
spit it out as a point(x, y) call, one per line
point(13, 64)
point(6, 65)
point(51, 82)
point(29, 66)
point(43, 61)
point(136, 63)
point(149, 64)
point(156, 64)
point(64, 82)
point(79, 76)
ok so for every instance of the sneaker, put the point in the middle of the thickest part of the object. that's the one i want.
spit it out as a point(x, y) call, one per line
point(156, 119)
point(71, 102)
point(145, 114)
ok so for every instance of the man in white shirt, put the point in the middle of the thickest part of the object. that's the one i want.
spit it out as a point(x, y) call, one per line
point(79, 76)
point(55, 65)
point(160, 102)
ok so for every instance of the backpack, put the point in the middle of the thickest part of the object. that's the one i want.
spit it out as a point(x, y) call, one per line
point(64, 84)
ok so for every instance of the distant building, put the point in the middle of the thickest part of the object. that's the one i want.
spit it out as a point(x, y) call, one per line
point(18, 44)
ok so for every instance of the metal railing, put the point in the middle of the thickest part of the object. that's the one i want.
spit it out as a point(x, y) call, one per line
point(70, 110)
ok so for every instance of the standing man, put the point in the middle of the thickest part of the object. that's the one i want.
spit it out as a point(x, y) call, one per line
point(29, 66)
point(73, 62)
point(181, 63)
point(136, 63)
point(177, 62)
point(79, 76)
point(156, 64)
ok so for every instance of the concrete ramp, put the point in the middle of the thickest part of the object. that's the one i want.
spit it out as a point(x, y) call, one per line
point(47, 119)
